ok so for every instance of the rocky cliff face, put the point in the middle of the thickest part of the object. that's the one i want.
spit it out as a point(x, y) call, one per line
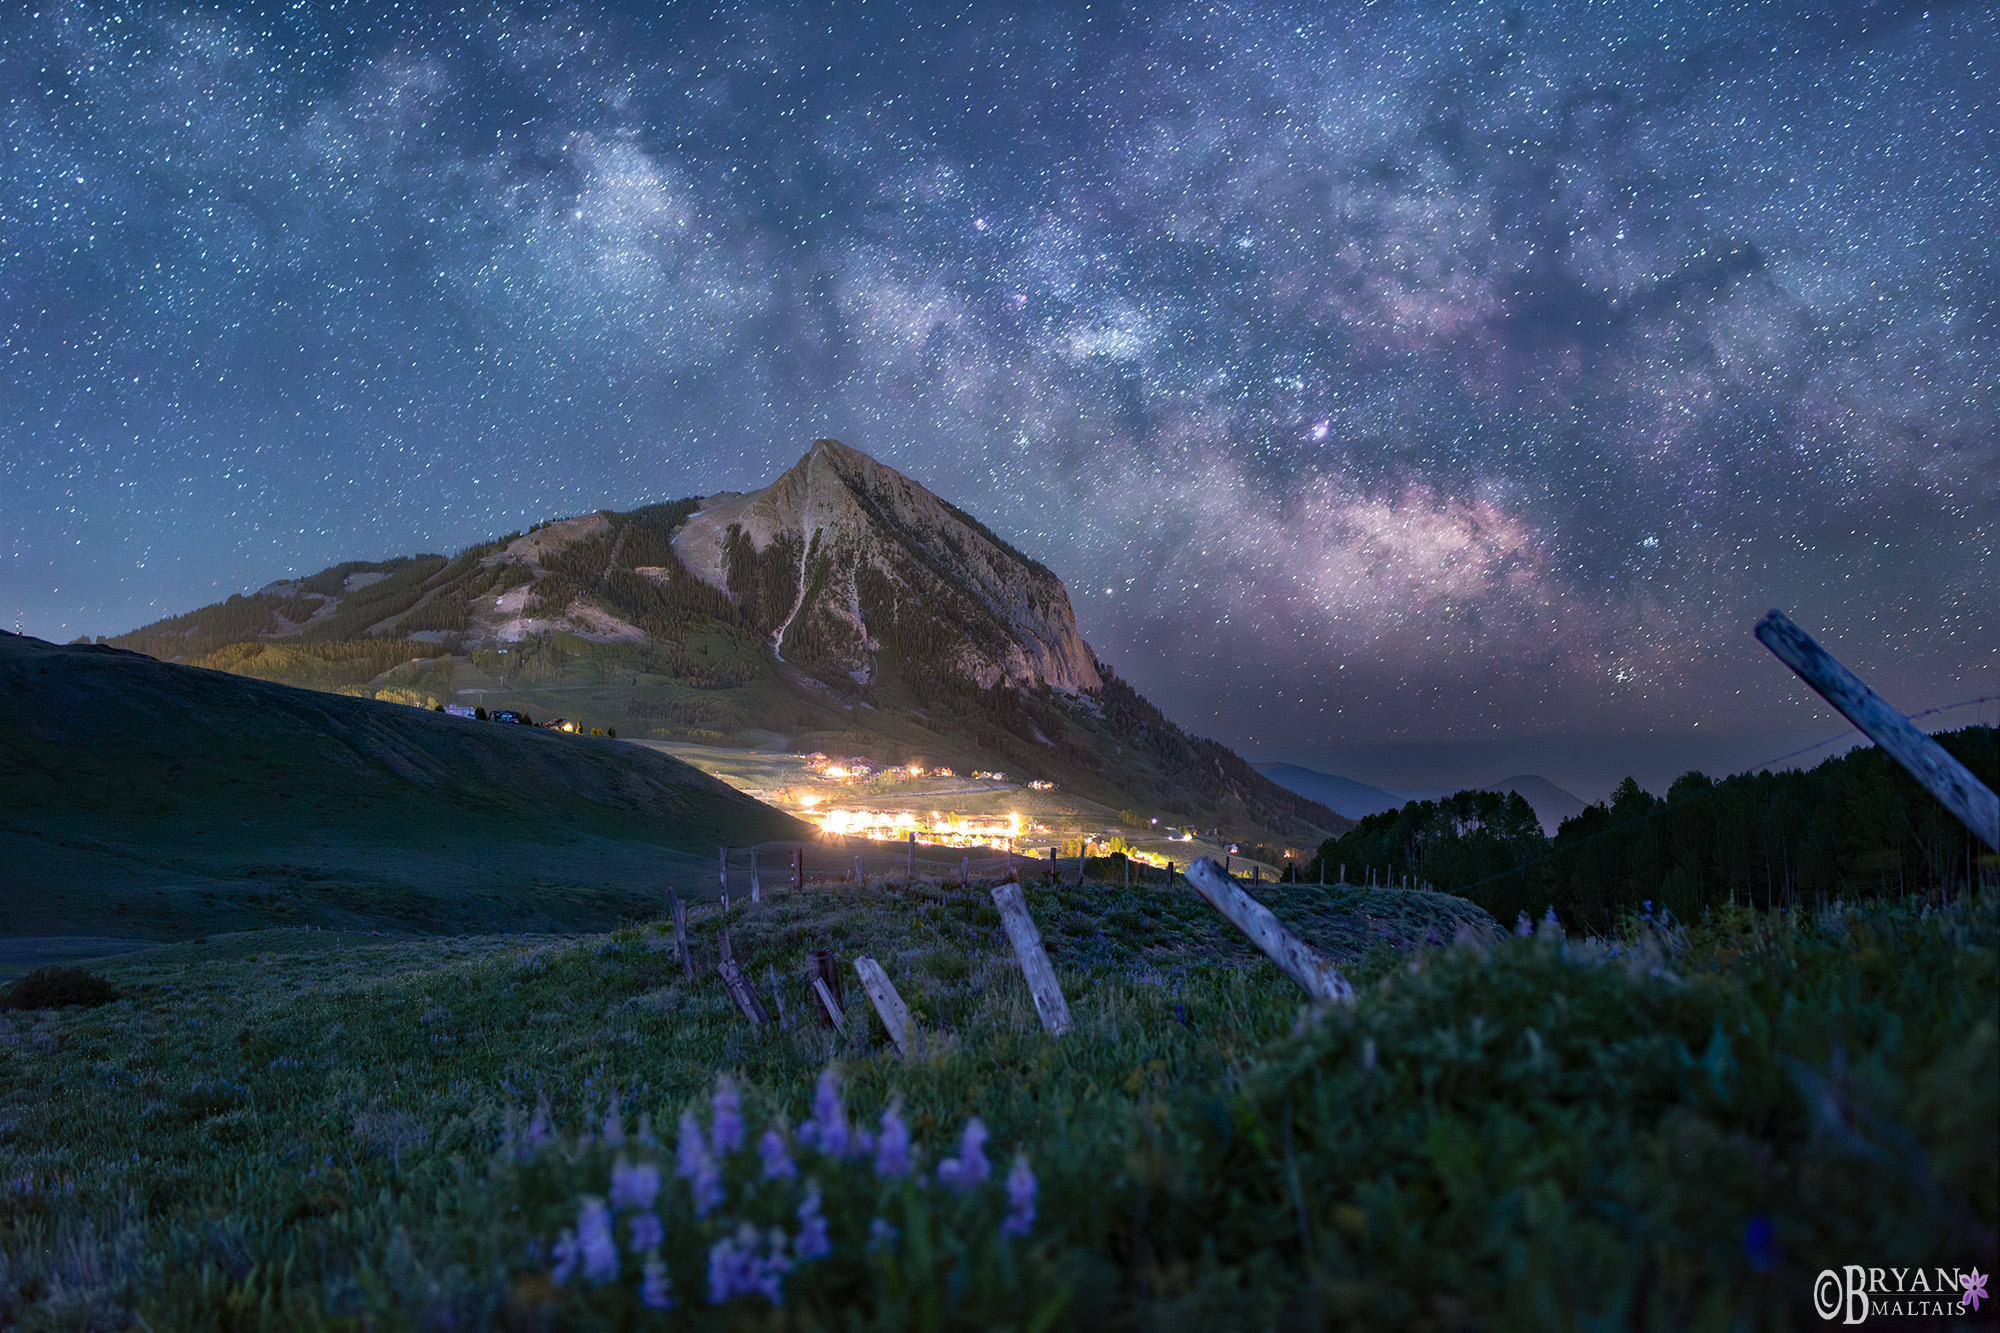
point(851, 566)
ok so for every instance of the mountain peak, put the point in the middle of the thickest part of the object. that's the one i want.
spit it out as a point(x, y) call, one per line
point(846, 564)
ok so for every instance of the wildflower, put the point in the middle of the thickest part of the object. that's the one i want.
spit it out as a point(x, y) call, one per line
point(1550, 927)
point(634, 1186)
point(1021, 1188)
point(614, 1124)
point(566, 1257)
point(777, 1161)
point(1522, 926)
point(594, 1242)
point(1760, 1244)
point(647, 1232)
point(827, 1130)
point(655, 1291)
point(892, 1149)
point(735, 1268)
point(882, 1234)
point(812, 1242)
point(726, 1133)
point(970, 1168)
point(698, 1168)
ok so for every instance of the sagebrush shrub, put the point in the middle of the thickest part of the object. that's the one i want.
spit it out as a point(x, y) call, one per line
point(58, 988)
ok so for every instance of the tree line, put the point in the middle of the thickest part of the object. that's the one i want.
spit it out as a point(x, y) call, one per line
point(1855, 826)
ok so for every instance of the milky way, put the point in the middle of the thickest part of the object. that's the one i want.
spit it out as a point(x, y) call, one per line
point(1374, 374)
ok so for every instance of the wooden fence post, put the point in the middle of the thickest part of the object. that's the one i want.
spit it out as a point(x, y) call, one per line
point(911, 873)
point(1928, 762)
point(756, 883)
point(739, 991)
point(889, 1005)
point(680, 912)
point(799, 868)
point(829, 1008)
point(826, 977)
point(1128, 870)
point(1027, 942)
point(1314, 972)
point(858, 879)
point(722, 872)
point(965, 872)
point(1170, 874)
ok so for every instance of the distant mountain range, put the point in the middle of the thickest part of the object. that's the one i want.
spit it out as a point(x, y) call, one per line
point(1357, 800)
point(843, 608)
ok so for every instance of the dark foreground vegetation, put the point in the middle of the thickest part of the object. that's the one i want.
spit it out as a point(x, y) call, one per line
point(1855, 826)
point(1665, 1127)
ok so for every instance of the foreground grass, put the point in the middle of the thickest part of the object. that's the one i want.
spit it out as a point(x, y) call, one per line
point(300, 1129)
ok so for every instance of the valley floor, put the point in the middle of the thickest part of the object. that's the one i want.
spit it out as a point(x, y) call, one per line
point(295, 1128)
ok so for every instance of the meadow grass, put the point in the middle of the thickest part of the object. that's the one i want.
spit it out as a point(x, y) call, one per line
point(1672, 1128)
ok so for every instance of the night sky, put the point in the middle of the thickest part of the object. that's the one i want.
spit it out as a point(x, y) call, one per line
point(1426, 392)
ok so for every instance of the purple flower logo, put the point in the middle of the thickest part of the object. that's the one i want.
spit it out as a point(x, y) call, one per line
point(1975, 1288)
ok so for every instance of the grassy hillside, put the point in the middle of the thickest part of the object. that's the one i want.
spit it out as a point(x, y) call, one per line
point(671, 658)
point(138, 797)
point(1664, 1130)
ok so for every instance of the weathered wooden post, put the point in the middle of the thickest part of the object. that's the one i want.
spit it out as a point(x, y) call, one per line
point(889, 1005)
point(1128, 870)
point(858, 878)
point(1053, 877)
point(1315, 973)
point(829, 1008)
point(756, 883)
point(799, 868)
point(739, 991)
point(1256, 874)
point(965, 872)
point(1027, 942)
point(911, 873)
point(826, 980)
point(1170, 874)
point(1928, 762)
point(680, 913)
point(722, 873)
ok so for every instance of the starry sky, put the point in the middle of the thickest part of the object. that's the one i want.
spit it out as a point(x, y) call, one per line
point(1426, 391)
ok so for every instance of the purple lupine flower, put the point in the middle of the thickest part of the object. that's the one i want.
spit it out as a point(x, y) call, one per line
point(882, 1234)
point(698, 1167)
point(892, 1149)
point(634, 1186)
point(726, 1132)
point(970, 1168)
point(1522, 926)
point(647, 1232)
point(1021, 1188)
point(566, 1256)
point(655, 1291)
point(827, 1130)
point(594, 1242)
point(1550, 926)
point(735, 1268)
point(812, 1242)
point(777, 1160)
point(614, 1125)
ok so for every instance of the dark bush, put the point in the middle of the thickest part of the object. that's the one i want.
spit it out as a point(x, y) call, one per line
point(58, 988)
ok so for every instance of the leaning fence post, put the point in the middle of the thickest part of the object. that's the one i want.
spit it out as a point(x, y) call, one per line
point(739, 991)
point(680, 912)
point(894, 1013)
point(827, 981)
point(829, 1007)
point(1928, 762)
point(1314, 972)
point(756, 884)
point(1027, 942)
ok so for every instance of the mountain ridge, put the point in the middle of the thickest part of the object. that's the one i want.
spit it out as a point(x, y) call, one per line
point(1356, 800)
point(843, 607)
